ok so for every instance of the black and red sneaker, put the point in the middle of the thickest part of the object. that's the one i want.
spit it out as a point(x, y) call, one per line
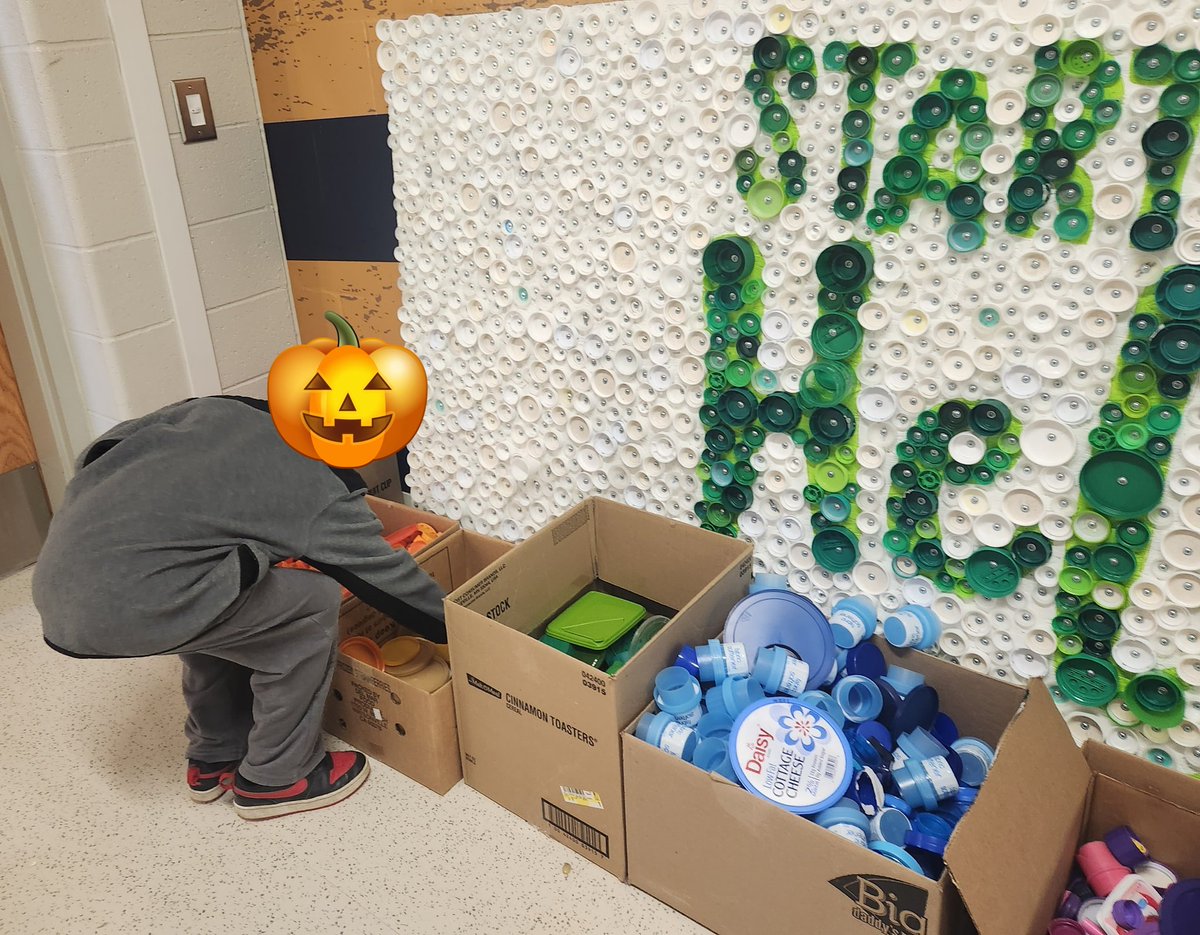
point(207, 782)
point(336, 777)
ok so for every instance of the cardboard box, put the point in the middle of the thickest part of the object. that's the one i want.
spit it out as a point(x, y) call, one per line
point(736, 863)
point(383, 479)
point(395, 515)
point(408, 729)
point(1066, 799)
point(540, 731)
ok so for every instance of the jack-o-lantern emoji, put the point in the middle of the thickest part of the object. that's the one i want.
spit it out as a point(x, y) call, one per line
point(347, 403)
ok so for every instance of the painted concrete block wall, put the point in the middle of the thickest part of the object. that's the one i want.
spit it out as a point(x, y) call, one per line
point(226, 188)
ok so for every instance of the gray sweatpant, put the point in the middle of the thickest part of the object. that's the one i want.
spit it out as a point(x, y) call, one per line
point(255, 683)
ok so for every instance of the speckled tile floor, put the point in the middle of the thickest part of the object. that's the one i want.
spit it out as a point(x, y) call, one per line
point(98, 833)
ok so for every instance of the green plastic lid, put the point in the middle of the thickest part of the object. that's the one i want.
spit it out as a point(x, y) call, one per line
point(965, 201)
point(932, 111)
point(1034, 118)
point(802, 86)
point(1121, 484)
point(897, 59)
point(1088, 680)
point(1078, 134)
point(972, 110)
point(1133, 534)
point(1046, 140)
point(1031, 549)
point(1164, 419)
point(861, 60)
point(764, 96)
point(905, 174)
point(957, 84)
point(1175, 348)
point(1077, 581)
point(834, 56)
point(1180, 100)
point(770, 52)
point(1187, 65)
point(1165, 201)
point(824, 383)
point(965, 236)
point(1156, 699)
point(1069, 195)
point(596, 620)
point(1113, 563)
point(774, 118)
point(831, 425)
point(1108, 73)
point(835, 549)
point(800, 58)
point(1044, 90)
point(1082, 57)
point(1152, 232)
point(1168, 138)
point(778, 413)
point(858, 152)
point(728, 259)
point(990, 417)
point(1107, 113)
point(1028, 192)
point(836, 336)
point(976, 139)
point(766, 199)
point(844, 267)
point(1047, 57)
point(1072, 224)
point(1153, 62)
point(993, 573)
point(1178, 292)
point(913, 140)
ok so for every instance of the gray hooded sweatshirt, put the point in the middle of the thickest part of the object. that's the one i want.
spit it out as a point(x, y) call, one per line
point(170, 518)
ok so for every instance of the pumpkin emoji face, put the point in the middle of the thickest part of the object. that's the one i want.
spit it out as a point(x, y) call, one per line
point(347, 403)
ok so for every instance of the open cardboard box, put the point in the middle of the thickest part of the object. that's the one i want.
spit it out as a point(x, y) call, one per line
point(396, 516)
point(540, 731)
point(737, 863)
point(1013, 878)
point(399, 724)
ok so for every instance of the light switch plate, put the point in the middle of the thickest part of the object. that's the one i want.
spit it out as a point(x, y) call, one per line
point(195, 110)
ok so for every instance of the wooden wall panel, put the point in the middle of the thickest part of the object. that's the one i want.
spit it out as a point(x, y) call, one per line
point(365, 294)
point(16, 440)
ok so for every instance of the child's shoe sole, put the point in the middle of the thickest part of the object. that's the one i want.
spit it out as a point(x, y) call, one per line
point(279, 809)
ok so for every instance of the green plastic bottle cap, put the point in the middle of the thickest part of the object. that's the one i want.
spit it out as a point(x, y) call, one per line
point(824, 383)
point(1136, 379)
point(856, 124)
point(1113, 563)
point(913, 140)
point(848, 206)
point(1156, 699)
point(835, 549)
point(936, 190)
point(1069, 195)
point(1167, 139)
point(993, 573)
point(844, 267)
point(1082, 57)
point(737, 373)
point(831, 425)
point(802, 86)
point(1044, 90)
point(1175, 348)
point(861, 60)
point(791, 164)
point(1047, 58)
point(774, 118)
point(1078, 134)
point(976, 139)
point(852, 179)
point(1121, 484)
point(770, 52)
point(990, 417)
point(1028, 192)
point(1165, 201)
point(1133, 534)
point(965, 236)
point(800, 58)
point(1178, 292)
point(1187, 65)
point(1056, 164)
point(834, 56)
point(905, 174)
point(1031, 549)
point(728, 259)
point(897, 59)
point(738, 406)
point(1046, 140)
point(1093, 94)
point(965, 201)
point(1034, 118)
point(932, 111)
point(1072, 224)
point(836, 336)
point(896, 542)
point(1108, 73)
point(1164, 419)
point(1153, 62)
point(1088, 680)
point(764, 96)
point(1076, 581)
point(858, 152)
point(796, 187)
point(766, 199)
point(1070, 645)
point(957, 84)
point(1180, 100)
point(1152, 232)
point(1107, 113)
point(778, 413)
point(971, 111)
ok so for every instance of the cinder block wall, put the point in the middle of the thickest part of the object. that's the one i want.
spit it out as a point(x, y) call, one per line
point(61, 75)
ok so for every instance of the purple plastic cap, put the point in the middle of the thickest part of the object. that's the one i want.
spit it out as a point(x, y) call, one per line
point(1064, 927)
point(1127, 914)
point(1149, 927)
point(1068, 907)
point(1179, 913)
point(1126, 847)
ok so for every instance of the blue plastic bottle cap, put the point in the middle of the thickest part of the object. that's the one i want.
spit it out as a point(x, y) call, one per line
point(912, 626)
point(867, 790)
point(919, 744)
point(917, 710)
point(846, 821)
point(933, 825)
point(924, 783)
point(866, 659)
point(956, 764)
point(944, 729)
point(780, 672)
point(894, 801)
point(710, 753)
point(966, 796)
point(715, 724)
point(926, 842)
point(902, 679)
point(687, 660)
point(865, 755)
point(678, 694)
point(824, 701)
point(876, 734)
point(765, 582)
point(891, 703)
point(897, 855)
point(718, 661)
point(663, 731)
point(977, 759)
point(781, 618)
point(733, 696)
point(890, 825)
point(791, 754)
point(852, 619)
point(858, 697)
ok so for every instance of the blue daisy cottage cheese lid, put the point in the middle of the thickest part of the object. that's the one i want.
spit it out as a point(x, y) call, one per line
point(791, 754)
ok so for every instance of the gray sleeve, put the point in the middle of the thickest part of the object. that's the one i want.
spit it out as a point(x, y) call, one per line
point(346, 542)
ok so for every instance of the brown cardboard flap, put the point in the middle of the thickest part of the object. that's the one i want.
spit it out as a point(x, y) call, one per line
point(1011, 854)
point(1161, 783)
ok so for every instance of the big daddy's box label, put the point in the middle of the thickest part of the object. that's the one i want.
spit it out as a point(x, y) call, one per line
point(791, 755)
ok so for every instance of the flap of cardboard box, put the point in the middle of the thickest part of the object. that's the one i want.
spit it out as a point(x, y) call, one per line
point(396, 516)
point(1011, 849)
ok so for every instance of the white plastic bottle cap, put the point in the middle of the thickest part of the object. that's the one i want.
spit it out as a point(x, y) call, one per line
point(1048, 443)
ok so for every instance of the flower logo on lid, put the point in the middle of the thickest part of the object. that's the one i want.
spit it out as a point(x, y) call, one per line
point(802, 728)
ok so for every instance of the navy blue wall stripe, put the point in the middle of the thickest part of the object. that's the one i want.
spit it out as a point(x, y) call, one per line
point(333, 184)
